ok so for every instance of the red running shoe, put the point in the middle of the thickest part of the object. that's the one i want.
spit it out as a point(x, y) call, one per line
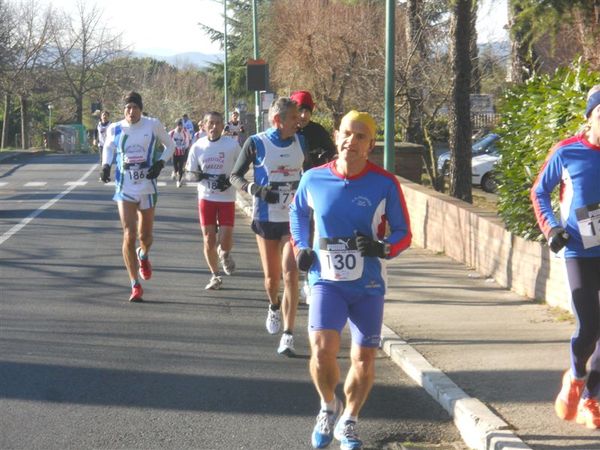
point(588, 413)
point(145, 266)
point(136, 294)
point(568, 399)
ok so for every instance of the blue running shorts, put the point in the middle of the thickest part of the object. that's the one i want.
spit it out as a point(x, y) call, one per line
point(331, 307)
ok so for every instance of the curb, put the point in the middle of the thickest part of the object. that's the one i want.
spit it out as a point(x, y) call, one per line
point(479, 427)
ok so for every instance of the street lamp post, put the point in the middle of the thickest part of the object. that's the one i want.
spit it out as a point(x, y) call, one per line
point(50, 107)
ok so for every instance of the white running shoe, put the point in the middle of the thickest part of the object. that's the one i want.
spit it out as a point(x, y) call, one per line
point(214, 283)
point(273, 323)
point(178, 183)
point(227, 262)
point(286, 345)
point(345, 432)
point(173, 175)
point(322, 434)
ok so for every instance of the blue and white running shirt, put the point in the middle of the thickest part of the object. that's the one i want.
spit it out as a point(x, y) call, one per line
point(278, 164)
point(342, 208)
point(134, 145)
point(573, 163)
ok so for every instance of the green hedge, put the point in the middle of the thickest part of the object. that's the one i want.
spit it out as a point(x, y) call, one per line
point(534, 117)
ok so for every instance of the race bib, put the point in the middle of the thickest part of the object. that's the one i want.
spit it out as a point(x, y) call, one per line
point(286, 193)
point(340, 259)
point(136, 174)
point(211, 183)
point(588, 221)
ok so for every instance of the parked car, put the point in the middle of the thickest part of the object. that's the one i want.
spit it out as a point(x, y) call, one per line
point(485, 156)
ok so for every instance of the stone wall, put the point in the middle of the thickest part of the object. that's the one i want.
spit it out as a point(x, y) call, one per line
point(478, 239)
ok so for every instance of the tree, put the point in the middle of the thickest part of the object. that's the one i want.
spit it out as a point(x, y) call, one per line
point(460, 117)
point(84, 47)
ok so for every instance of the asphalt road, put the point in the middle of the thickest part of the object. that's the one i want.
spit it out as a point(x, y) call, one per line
point(80, 367)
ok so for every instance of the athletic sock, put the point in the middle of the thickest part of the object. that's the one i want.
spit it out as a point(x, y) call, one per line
point(288, 332)
point(275, 307)
point(142, 255)
point(348, 418)
point(328, 406)
point(135, 282)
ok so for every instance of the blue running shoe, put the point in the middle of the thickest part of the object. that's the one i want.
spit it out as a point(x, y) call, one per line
point(322, 434)
point(345, 432)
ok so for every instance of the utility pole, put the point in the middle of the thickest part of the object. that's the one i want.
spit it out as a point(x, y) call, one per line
point(225, 80)
point(256, 56)
point(390, 41)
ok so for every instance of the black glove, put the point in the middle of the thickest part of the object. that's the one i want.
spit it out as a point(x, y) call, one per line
point(105, 173)
point(264, 193)
point(223, 183)
point(154, 171)
point(305, 259)
point(370, 247)
point(557, 239)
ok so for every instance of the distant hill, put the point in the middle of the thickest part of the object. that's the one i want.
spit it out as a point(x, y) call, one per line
point(182, 59)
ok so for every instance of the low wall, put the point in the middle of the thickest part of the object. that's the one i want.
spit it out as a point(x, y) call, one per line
point(478, 239)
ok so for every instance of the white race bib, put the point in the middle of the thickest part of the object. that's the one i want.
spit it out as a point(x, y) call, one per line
point(340, 259)
point(588, 221)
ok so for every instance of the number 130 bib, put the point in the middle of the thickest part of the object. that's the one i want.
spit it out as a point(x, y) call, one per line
point(340, 259)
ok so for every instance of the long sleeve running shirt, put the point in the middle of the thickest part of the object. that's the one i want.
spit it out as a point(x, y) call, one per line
point(134, 146)
point(341, 208)
point(574, 164)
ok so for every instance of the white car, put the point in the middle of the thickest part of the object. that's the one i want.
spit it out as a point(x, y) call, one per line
point(482, 170)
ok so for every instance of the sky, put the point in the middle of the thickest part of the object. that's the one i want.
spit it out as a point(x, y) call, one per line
point(163, 29)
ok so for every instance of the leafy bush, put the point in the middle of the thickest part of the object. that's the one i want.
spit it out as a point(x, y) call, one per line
point(535, 116)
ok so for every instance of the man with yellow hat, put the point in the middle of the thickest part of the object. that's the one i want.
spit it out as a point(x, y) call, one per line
point(352, 202)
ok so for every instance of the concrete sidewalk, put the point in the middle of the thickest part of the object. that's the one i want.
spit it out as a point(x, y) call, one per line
point(493, 359)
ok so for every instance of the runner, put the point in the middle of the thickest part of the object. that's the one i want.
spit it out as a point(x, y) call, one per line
point(574, 164)
point(182, 140)
point(277, 155)
point(100, 133)
point(234, 127)
point(351, 202)
point(210, 162)
point(136, 194)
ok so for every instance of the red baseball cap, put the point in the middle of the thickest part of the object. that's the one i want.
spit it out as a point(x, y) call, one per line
point(303, 99)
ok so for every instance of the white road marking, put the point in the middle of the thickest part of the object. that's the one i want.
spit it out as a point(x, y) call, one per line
point(36, 184)
point(76, 183)
point(18, 227)
point(3, 183)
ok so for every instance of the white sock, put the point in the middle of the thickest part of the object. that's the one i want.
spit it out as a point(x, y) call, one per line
point(329, 406)
point(348, 418)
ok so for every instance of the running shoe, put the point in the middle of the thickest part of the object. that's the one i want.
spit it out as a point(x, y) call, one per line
point(322, 434)
point(345, 432)
point(173, 175)
point(145, 266)
point(273, 322)
point(588, 413)
point(214, 283)
point(136, 294)
point(568, 397)
point(227, 262)
point(178, 183)
point(286, 345)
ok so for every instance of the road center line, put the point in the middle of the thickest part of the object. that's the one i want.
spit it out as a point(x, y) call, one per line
point(18, 227)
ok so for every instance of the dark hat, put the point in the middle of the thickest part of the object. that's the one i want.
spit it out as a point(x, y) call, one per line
point(303, 99)
point(179, 122)
point(133, 97)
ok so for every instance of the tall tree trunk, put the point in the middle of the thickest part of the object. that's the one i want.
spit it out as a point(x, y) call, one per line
point(24, 119)
point(6, 121)
point(460, 115)
point(524, 60)
point(475, 72)
point(414, 94)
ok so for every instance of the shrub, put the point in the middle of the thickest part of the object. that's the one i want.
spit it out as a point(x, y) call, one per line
point(534, 117)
